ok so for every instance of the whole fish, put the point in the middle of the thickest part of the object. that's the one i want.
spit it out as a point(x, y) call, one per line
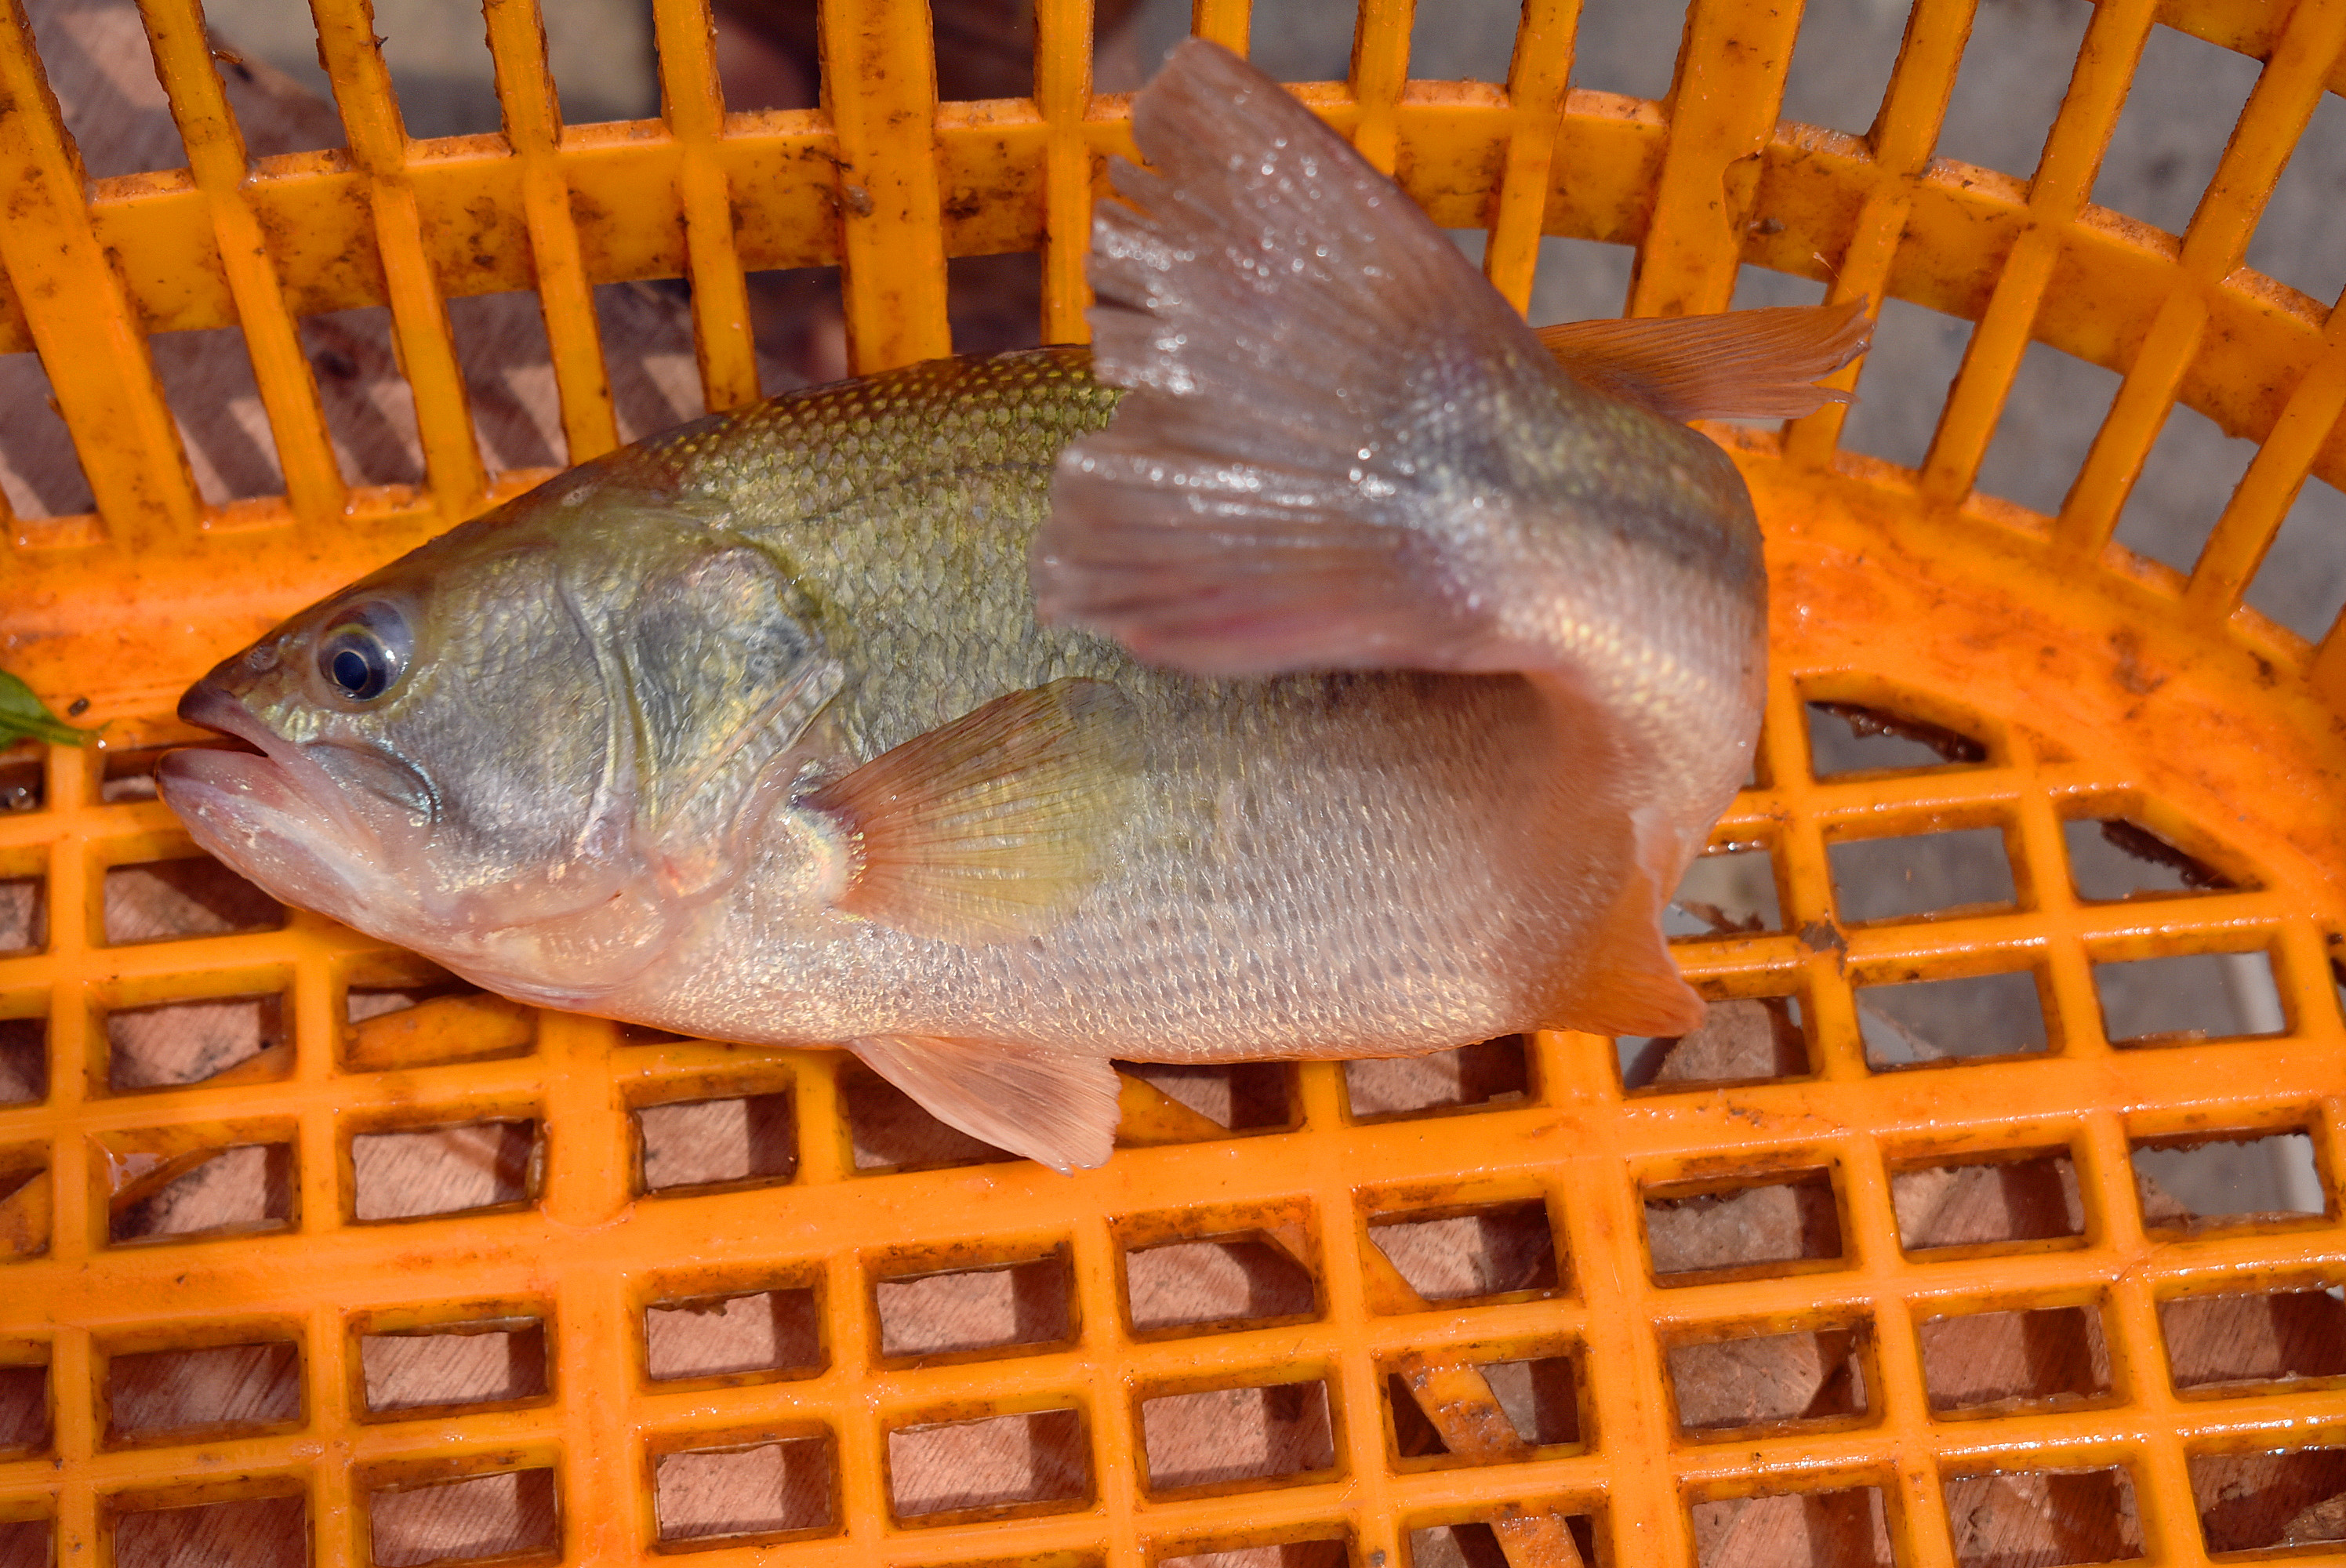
point(1321, 665)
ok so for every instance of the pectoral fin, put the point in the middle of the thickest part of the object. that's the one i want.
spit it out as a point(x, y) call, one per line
point(1056, 1109)
point(1743, 364)
point(990, 827)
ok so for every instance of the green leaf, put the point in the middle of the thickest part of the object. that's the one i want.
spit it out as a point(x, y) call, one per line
point(22, 716)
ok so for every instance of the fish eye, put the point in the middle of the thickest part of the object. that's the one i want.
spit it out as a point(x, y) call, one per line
point(364, 654)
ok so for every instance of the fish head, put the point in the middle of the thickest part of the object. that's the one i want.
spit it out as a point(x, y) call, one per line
point(525, 749)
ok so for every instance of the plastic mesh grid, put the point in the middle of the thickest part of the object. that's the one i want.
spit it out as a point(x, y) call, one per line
point(2093, 685)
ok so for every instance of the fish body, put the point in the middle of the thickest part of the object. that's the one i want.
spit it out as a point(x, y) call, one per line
point(999, 716)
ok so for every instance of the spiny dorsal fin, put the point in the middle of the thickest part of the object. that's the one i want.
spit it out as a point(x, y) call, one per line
point(1059, 1110)
point(989, 827)
point(1742, 364)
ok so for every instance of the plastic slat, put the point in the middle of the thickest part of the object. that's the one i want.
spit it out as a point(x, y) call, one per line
point(89, 334)
point(216, 155)
point(881, 87)
point(533, 118)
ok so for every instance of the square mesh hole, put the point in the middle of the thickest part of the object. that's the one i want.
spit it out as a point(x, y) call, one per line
point(24, 914)
point(473, 1168)
point(1849, 737)
point(164, 901)
point(1844, 1529)
point(1037, 1463)
point(2257, 1501)
point(24, 1061)
point(500, 341)
point(1265, 1434)
point(745, 1495)
point(1226, 1097)
point(1740, 1040)
point(2186, 94)
point(1964, 873)
point(1993, 1363)
point(966, 1312)
point(1325, 1552)
point(369, 405)
point(251, 1533)
point(206, 375)
point(1483, 1544)
point(26, 1543)
point(431, 1025)
point(231, 1192)
point(2046, 1519)
point(994, 304)
point(2187, 476)
point(480, 1518)
point(1915, 357)
point(41, 475)
point(1215, 1283)
point(175, 1044)
point(501, 1363)
point(24, 1198)
point(892, 1133)
point(2188, 997)
point(2302, 239)
point(1493, 1252)
point(1782, 1224)
point(2056, 406)
point(1919, 1023)
point(1578, 279)
point(2254, 1341)
point(2224, 1181)
point(2112, 859)
point(1725, 892)
point(1840, 65)
point(24, 1412)
point(1489, 1074)
point(187, 1396)
point(1729, 1386)
point(1443, 1411)
point(2000, 1203)
point(2301, 582)
point(718, 1146)
point(755, 1336)
point(23, 787)
point(127, 777)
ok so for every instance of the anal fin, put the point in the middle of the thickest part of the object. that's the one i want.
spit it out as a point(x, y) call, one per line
point(1057, 1109)
point(1629, 984)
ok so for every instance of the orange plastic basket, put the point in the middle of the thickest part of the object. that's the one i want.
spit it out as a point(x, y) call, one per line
point(2069, 681)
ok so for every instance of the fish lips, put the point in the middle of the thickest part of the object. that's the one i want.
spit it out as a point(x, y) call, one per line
point(276, 817)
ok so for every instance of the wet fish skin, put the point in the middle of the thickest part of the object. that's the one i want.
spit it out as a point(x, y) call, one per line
point(753, 731)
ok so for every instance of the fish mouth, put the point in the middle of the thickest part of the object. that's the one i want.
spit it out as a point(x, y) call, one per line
point(267, 810)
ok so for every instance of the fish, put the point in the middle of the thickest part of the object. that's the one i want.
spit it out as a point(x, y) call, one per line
point(1321, 664)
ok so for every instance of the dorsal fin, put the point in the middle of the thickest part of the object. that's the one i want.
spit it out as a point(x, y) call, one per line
point(1742, 364)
